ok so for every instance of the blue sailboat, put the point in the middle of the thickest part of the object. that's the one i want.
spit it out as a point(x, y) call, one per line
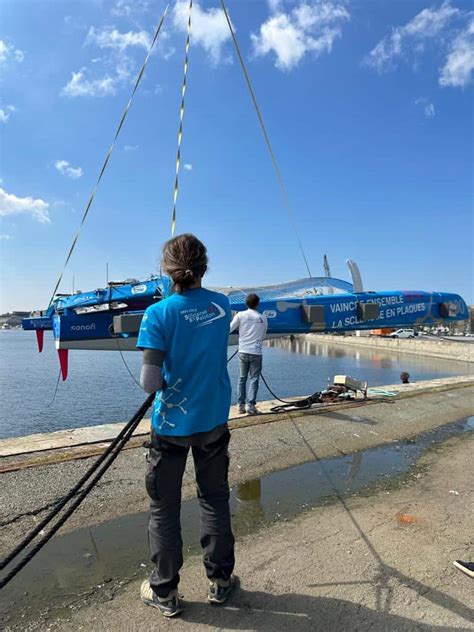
point(109, 318)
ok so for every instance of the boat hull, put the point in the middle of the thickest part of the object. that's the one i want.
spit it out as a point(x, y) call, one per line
point(333, 314)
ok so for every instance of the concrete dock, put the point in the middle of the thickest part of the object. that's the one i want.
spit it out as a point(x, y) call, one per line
point(381, 563)
point(329, 567)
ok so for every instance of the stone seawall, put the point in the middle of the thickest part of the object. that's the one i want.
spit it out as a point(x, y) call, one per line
point(462, 351)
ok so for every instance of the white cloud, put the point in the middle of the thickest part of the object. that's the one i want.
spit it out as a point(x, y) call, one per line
point(130, 147)
point(108, 72)
point(427, 24)
point(65, 169)
point(459, 66)
point(5, 237)
point(188, 166)
point(80, 86)
point(274, 5)
point(428, 107)
point(307, 28)
point(5, 113)
point(126, 8)
point(429, 110)
point(112, 38)
point(209, 27)
point(10, 204)
point(9, 53)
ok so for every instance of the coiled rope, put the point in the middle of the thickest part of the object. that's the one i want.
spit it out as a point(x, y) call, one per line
point(109, 153)
point(112, 452)
point(181, 116)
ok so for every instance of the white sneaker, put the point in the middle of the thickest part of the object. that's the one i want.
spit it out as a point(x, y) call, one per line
point(170, 606)
point(252, 410)
point(219, 590)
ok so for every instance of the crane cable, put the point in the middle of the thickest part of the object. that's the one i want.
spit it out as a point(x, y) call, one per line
point(281, 182)
point(109, 153)
point(181, 116)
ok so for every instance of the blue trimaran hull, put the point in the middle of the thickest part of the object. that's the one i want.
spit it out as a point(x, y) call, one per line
point(109, 318)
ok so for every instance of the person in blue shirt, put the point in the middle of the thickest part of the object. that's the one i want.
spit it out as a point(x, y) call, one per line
point(184, 341)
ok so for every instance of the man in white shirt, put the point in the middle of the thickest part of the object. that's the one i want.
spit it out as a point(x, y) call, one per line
point(252, 328)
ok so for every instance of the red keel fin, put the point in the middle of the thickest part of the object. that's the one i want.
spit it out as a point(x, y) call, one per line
point(63, 362)
point(39, 339)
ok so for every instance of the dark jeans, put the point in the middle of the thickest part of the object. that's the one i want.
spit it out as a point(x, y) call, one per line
point(165, 468)
point(250, 366)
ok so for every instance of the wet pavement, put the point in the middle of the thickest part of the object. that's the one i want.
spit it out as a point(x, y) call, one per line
point(93, 563)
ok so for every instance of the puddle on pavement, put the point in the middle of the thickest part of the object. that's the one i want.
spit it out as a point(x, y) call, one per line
point(92, 563)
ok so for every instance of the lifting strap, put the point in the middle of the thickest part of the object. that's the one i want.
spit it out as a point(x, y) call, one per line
point(286, 199)
point(109, 153)
point(181, 116)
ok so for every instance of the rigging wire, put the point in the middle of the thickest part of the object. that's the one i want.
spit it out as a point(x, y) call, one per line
point(109, 153)
point(126, 365)
point(55, 390)
point(232, 356)
point(276, 168)
point(181, 116)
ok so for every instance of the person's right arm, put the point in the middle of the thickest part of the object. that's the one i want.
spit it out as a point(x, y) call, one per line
point(151, 339)
point(151, 378)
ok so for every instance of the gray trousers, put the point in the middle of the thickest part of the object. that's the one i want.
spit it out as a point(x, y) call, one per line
point(250, 366)
point(165, 468)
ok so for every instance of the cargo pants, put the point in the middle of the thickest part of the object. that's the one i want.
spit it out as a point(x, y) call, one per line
point(166, 463)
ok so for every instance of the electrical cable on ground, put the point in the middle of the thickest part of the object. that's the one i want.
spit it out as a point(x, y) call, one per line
point(113, 450)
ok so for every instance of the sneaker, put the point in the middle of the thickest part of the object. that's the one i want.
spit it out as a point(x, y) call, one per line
point(252, 410)
point(242, 410)
point(219, 590)
point(465, 567)
point(169, 606)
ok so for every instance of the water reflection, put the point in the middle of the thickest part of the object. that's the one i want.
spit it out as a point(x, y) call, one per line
point(354, 468)
point(248, 507)
point(308, 347)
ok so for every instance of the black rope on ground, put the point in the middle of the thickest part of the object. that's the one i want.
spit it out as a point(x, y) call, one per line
point(283, 401)
point(305, 402)
point(118, 443)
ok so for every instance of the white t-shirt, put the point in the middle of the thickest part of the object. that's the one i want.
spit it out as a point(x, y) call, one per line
point(252, 329)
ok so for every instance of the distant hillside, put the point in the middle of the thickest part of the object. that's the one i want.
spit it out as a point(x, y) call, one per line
point(12, 319)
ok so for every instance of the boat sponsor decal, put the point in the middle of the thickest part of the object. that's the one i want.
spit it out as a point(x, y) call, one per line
point(139, 289)
point(89, 327)
point(394, 309)
point(270, 313)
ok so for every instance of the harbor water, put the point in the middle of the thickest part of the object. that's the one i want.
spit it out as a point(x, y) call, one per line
point(100, 390)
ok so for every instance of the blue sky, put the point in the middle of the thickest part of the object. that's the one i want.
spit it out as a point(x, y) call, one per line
point(368, 105)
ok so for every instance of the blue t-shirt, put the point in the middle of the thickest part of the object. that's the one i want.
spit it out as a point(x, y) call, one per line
point(192, 329)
